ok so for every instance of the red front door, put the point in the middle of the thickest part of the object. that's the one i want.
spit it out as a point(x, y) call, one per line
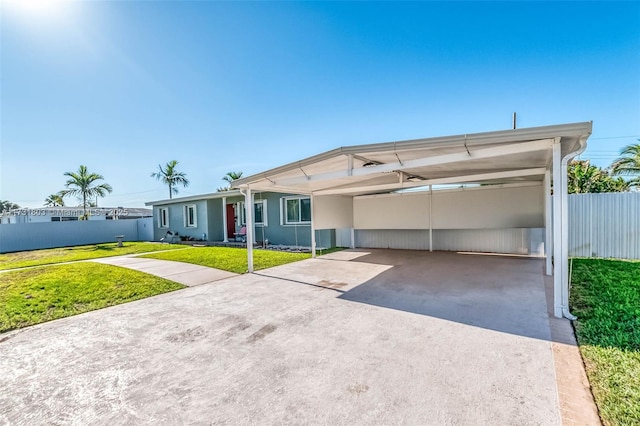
point(231, 220)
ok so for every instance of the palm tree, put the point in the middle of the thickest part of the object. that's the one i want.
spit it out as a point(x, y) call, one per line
point(83, 184)
point(171, 177)
point(628, 164)
point(229, 178)
point(7, 205)
point(54, 200)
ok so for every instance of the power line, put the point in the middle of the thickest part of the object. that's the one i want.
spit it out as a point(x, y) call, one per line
point(615, 137)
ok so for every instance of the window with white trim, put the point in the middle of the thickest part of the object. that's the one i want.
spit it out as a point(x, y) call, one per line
point(296, 210)
point(259, 213)
point(163, 217)
point(190, 219)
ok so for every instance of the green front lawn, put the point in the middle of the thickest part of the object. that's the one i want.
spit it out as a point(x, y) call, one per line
point(70, 254)
point(605, 296)
point(37, 295)
point(229, 259)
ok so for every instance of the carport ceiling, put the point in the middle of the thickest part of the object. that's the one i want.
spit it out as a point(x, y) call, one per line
point(494, 157)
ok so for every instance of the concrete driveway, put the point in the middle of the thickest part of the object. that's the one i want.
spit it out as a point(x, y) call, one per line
point(356, 337)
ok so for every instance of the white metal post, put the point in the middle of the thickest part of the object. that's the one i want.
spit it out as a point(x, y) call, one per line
point(353, 237)
point(548, 238)
point(313, 229)
point(431, 218)
point(557, 231)
point(248, 205)
point(224, 220)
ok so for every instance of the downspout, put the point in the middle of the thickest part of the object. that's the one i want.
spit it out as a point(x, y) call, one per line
point(565, 235)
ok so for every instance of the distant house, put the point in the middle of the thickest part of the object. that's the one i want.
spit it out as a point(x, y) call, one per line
point(66, 214)
point(280, 219)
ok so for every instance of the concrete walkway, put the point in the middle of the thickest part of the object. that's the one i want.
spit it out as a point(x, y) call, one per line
point(386, 337)
point(183, 273)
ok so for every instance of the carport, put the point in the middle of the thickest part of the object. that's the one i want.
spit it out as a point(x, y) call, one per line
point(483, 192)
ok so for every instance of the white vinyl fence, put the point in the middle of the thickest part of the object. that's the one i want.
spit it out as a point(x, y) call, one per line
point(605, 225)
point(32, 236)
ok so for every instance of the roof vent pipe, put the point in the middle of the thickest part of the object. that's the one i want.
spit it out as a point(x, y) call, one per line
point(514, 121)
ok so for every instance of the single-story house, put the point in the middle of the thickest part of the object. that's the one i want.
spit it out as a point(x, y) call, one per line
point(279, 219)
point(503, 202)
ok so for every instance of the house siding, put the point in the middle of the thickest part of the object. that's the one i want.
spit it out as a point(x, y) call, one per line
point(176, 220)
point(211, 223)
point(214, 217)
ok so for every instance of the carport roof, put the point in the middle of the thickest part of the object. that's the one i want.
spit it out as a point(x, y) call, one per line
point(499, 157)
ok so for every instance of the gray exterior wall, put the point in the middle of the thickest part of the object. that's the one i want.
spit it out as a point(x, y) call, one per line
point(176, 220)
point(210, 221)
point(33, 236)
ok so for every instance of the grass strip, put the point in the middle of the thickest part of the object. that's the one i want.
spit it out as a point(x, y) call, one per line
point(70, 254)
point(33, 296)
point(605, 296)
point(228, 258)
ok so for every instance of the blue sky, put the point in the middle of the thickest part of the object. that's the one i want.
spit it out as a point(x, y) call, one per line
point(121, 86)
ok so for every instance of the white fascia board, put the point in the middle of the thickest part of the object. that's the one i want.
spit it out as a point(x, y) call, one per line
point(473, 139)
point(441, 181)
point(497, 151)
point(279, 189)
point(213, 195)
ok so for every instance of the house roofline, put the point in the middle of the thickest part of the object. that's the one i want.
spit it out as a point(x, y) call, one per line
point(209, 196)
point(472, 139)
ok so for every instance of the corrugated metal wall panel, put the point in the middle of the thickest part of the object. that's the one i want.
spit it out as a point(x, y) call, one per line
point(513, 241)
point(343, 237)
point(605, 225)
point(410, 239)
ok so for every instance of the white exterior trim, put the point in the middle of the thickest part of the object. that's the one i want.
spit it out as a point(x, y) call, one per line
point(313, 229)
point(557, 231)
point(283, 211)
point(248, 198)
point(185, 212)
point(224, 220)
point(161, 223)
point(548, 225)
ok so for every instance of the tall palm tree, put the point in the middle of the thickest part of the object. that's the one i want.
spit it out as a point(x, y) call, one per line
point(54, 200)
point(229, 178)
point(628, 164)
point(83, 184)
point(171, 177)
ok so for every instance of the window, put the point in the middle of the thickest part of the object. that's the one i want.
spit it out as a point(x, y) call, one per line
point(297, 210)
point(259, 213)
point(190, 220)
point(163, 217)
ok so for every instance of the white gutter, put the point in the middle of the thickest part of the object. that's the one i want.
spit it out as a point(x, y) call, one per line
point(565, 228)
